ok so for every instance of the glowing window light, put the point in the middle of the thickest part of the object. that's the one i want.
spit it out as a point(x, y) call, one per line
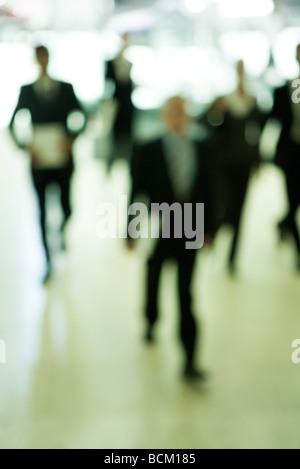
point(246, 8)
point(172, 70)
point(132, 21)
point(17, 68)
point(70, 62)
point(251, 46)
point(146, 99)
point(284, 52)
point(195, 6)
point(139, 54)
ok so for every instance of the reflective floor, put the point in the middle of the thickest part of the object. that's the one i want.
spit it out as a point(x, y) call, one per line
point(77, 374)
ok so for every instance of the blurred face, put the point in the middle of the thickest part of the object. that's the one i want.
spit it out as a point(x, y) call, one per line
point(175, 115)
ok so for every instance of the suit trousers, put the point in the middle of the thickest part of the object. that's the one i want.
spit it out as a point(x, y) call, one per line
point(185, 259)
point(42, 179)
point(292, 175)
point(234, 185)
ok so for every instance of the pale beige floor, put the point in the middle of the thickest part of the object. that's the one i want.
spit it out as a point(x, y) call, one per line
point(77, 372)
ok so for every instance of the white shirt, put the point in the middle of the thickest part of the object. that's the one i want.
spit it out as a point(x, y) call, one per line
point(182, 163)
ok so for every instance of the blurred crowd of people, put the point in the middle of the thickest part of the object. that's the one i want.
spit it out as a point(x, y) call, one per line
point(174, 168)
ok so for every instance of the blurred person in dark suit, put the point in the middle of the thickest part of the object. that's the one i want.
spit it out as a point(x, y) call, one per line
point(50, 103)
point(118, 72)
point(237, 133)
point(174, 169)
point(286, 110)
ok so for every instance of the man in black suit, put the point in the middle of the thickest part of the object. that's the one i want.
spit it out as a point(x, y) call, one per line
point(174, 169)
point(118, 73)
point(50, 103)
point(286, 109)
point(236, 140)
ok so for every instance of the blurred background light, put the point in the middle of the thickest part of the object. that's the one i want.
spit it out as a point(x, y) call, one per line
point(75, 122)
point(195, 6)
point(284, 52)
point(147, 99)
point(176, 46)
point(246, 8)
point(253, 47)
point(132, 21)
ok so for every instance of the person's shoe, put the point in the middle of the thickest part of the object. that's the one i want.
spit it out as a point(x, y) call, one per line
point(283, 231)
point(298, 264)
point(63, 231)
point(231, 269)
point(149, 336)
point(194, 376)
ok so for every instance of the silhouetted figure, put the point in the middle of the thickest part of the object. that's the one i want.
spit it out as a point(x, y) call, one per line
point(174, 169)
point(118, 71)
point(238, 127)
point(50, 103)
point(286, 109)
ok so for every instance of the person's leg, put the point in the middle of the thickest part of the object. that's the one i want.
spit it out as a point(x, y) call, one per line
point(63, 178)
point(293, 198)
point(188, 328)
point(291, 170)
point(40, 180)
point(116, 134)
point(154, 268)
point(240, 180)
point(284, 225)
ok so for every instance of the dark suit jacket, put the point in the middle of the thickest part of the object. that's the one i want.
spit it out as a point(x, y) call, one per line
point(236, 140)
point(150, 176)
point(282, 111)
point(56, 110)
point(122, 94)
point(122, 91)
